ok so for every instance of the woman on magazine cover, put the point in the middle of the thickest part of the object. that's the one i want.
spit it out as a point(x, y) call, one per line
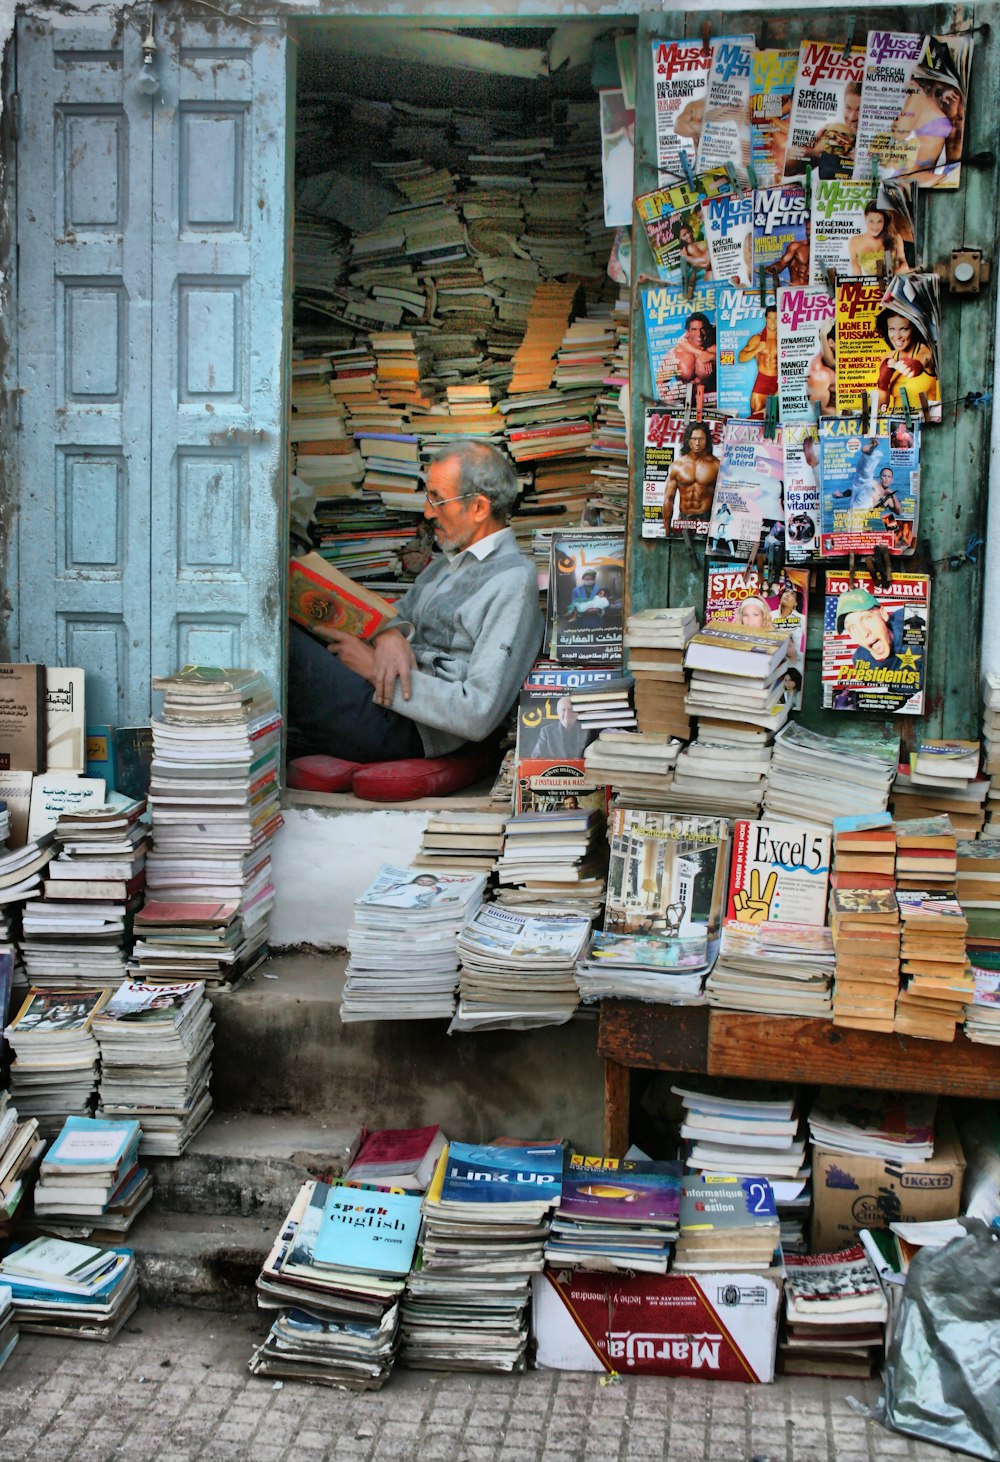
point(911, 363)
point(877, 244)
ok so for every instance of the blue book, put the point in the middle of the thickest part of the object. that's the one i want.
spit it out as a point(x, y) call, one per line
point(860, 821)
point(92, 1144)
point(502, 1174)
point(363, 1229)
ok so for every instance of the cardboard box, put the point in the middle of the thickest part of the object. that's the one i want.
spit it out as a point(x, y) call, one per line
point(716, 1326)
point(852, 1193)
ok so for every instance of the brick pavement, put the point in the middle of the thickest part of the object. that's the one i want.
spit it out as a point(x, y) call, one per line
point(174, 1387)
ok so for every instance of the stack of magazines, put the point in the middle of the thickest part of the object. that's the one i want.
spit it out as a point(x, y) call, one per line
point(486, 1220)
point(156, 1062)
point(334, 1275)
point(774, 967)
point(54, 1075)
point(819, 778)
point(420, 912)
point(90, 1181)
point(77, 1290)
point(668, 970)
point(518, 970)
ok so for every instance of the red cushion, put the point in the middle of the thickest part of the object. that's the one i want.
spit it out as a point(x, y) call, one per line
point(428, 776)
point(322, 773)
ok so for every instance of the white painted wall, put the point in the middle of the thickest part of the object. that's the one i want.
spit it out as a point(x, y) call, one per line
point(323, 860)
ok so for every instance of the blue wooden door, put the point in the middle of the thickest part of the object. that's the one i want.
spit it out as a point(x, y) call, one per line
point(151, 302)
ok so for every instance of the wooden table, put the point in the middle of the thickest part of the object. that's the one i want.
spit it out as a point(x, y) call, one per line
point(636, 1035)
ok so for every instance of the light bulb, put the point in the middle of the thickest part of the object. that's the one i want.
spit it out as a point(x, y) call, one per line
point(148, 82)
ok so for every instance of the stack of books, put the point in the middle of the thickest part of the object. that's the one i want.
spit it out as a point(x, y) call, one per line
point(54, 1075)
point(553, 862)
point(864, 851)
point(750, 1131)
point(737, 675)
point(615, 1214)
point(926, 854)
point(487, 1216)
point(943, 777)
point(723, 770)
point(898, 1128)
point(518, 969)
point(655, 640)
point(977, 875)
point(461, 842)
point(203, 940)
point(79, 1291)
point(20, 1149)
point(938, 979)
point(78, 935)
point(421, 913)
point(156, 1062)
point(825, 778)
point(637, 765)
point(396, 1157)
point(982, 1012)
point(835, 1315)
point(866, 928)
point(335, 1275)
point(669, 971)
point(606, 705)
point(991, 753)
point(775, 967)
point(90, 1181)
point(22, 871)
point(214, 802)
point(727, 1224)
point(8, 1324)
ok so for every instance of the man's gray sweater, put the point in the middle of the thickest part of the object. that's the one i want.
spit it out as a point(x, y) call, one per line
point(476, 631)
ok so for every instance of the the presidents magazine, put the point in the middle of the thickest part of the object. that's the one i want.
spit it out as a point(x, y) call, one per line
point(875, 643)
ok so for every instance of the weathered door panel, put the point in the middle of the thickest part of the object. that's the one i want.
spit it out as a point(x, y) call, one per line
point(83, 328)
point(218, 526)
point(955, 456)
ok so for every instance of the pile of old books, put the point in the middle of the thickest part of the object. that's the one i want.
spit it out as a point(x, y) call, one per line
point(486, 1220)
point(553, 861)
point(835, 1314)
point(214, 802)
point(77, 936)
point(926, 853)
point(404, 959)
point(518, 969)
point(335, 1275)
point(982, 1012)
point(156, 1062)
point(637, 765)
point(723, 769)
point(20, 1149)
point(461, 842)
point(937, 978)
point(865, 926)
point(737, 675)
point(90, 1180)
point(22, 870)
point(899, 1128)
point(203, 940)
point(76, 1290)
point(774, 967)
point(818, 774)
point(615, 1213)
point(942, 777)
point(726, 1223)
point(655, 640)
point(54, 1075)
point(8, 1324)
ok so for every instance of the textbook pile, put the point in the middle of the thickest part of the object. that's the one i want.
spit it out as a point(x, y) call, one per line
point(486, 1220)
point(75, 1290)
point(774, 967)
point(78, 935)
point(421, 913)
point(20, 1149)
point(54, 1075)
point(614, 1214)
point(670, 971)
point(874, 1124)
point(737, 675)
point(866, 929)
point(214, 802)
point(821, 775)
point(518, 969)
point(335, 1275)
point(728, 1224)
point(655, 640)
point(637, 765)
point(156, 1062)
point(926, 854)
point(206, 941)
point(90, 1180)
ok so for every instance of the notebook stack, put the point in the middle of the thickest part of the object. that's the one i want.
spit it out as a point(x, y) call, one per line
point(655, 640)
point(553, 862)
point(90, 1181)
point(20, 1149)
point(421, 913)
point(335, 1275)
point(637, 765)
point(487, 1216)
point(864, 851)
point(938, 980)
point(822, 777)
point(8, 1324)
point(156, 1062)
point(461, 842)
point(752, 1131)
point(615, 1214)
point(866, 929)
point(79, 1291)
point(727, 1223)
point(835, 1315)
point(737, 675)
point(54, 1075)
point(518, 969)
point(773, 967)
point(926, 854)
point(991, 754)
point(214, 802)
point(670, 971)
point(942, 777)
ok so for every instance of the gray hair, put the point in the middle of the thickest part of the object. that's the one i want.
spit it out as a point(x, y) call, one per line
point(485, 471)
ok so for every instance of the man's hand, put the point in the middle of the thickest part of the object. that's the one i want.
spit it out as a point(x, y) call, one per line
point(393, 661)
point(353, 653)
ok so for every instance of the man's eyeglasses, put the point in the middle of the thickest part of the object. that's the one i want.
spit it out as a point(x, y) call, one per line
point(435, 502)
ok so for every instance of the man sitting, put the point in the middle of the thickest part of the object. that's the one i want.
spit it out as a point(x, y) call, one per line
point(450, 667)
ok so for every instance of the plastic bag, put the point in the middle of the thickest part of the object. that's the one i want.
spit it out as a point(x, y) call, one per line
point(942, 1374)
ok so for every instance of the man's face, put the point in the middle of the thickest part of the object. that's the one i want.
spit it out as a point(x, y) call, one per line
point(696, 333)
point(698, 443)
point(589, 582)
point(870, 629)
point(770, 321)
point(565, 711)
point(453, 524)
point(788, 601)
point(885, 477)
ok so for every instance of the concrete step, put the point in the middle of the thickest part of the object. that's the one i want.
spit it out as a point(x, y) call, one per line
point(280, 1047)
point(198, 1261)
